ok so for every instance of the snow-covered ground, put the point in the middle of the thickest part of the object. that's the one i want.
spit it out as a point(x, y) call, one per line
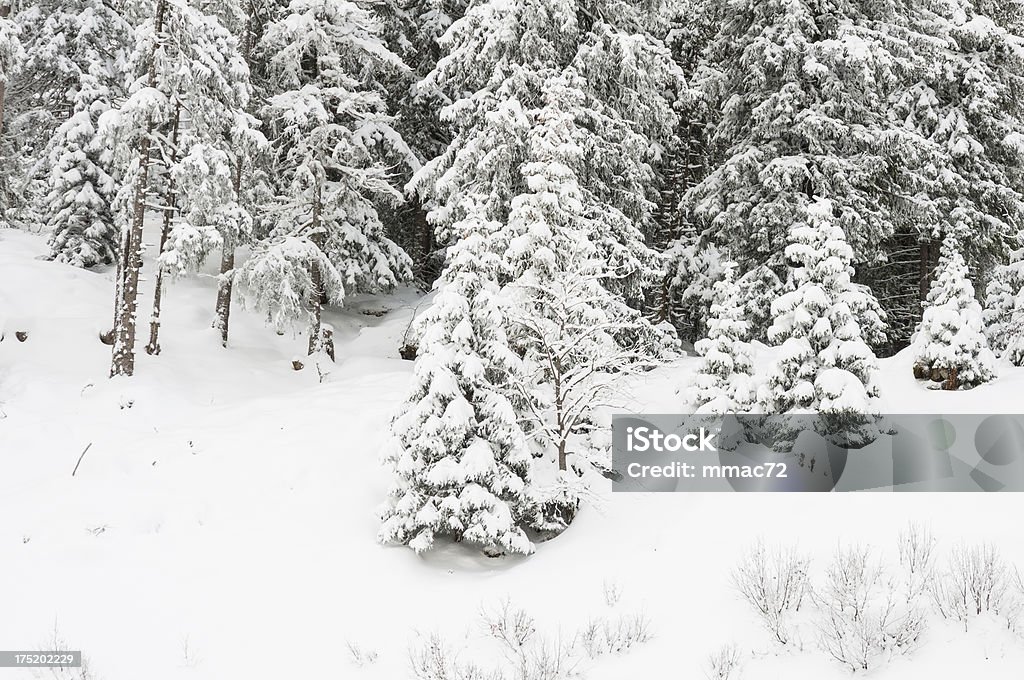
point(222, 523)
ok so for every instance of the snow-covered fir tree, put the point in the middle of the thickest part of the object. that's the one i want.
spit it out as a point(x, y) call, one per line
point(242, 18)
point(724, 382)
point(803, 88)
point(209, 145)
point(11, 51)
point(192, 87)
point(460, 459)
point(559, 110)
point(689, 287)
point(81, 51)
point(825, 365)
point(1003, 316)
point(496, 61)
point(555, 223)
point(692, 267)
point(331, 135)
point(415, 30)
point(210, 211)
point(956, 130)
point(11, 55)
point(961, 128)
point(79, 194)
point(65, 44)
point(570, 324)
point(950, 347)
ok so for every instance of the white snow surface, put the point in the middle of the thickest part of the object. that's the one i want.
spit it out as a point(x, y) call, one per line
point(223, 526)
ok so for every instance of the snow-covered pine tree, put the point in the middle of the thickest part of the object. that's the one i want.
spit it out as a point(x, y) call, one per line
point(724, 381)
point(130, 128)
point(965, 166)
point(1015, 349)
point(558, 222)
point(578, 337)
point(630, 83)
point(757, 286)
point(11, 54)
point(691, 267)
point(950, 346)
point(210, 214)
point(81, 183)
point(560, 110)
point(211, 151)
point(331, 133)
point(282, 276)
point(688, 290)
point(825, 366)
point(689, 25)
point(804, 90)
point(460, 459)
point(1003, 316)
point(11, 51)
point(78, 197)
point(75, 68)
point(242, 18)
point(958, 129)
point(1008, 14)
point(496, 61)
point(192, 87)
point(414, 30)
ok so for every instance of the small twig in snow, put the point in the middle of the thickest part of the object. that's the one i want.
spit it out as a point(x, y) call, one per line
point(80, 458)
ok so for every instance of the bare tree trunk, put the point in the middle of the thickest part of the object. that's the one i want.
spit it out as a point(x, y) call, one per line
point(316, 333)
point(225, 285)
point(110, 336)
point(123, 362)
point(316, 328)
point(425, 234)
point(925, 272)
point(224, 289)
point(563, 435)
point(154, 320)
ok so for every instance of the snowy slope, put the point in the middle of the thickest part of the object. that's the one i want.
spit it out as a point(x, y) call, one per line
point(223, 525)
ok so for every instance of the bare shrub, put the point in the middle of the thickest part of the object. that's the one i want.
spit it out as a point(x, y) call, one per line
point(614, 635)
point(360, 655)
point(860, 612)
point(917, 558)
point(612, 593)
point(510, 625)
point(723, 663)
point(526, 653)
point(189, 657)
point(774, 583)
point(435, 660)
point(56, 643)
point(976, 581)
point(531, 655)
